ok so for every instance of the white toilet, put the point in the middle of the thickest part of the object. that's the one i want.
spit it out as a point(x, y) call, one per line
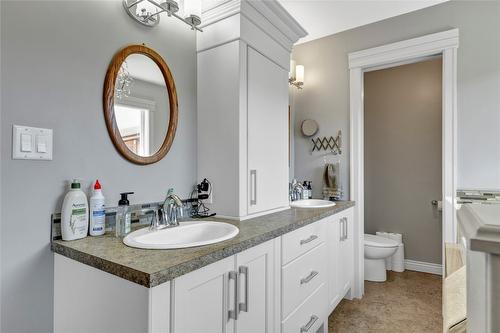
point(376, 250)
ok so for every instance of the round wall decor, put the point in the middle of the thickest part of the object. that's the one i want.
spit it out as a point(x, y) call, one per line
point(309, 127)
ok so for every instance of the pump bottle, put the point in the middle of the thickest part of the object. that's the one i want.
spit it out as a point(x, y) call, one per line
point(123, 215)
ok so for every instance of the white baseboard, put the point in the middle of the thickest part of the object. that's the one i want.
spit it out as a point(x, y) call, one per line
point(425, 267)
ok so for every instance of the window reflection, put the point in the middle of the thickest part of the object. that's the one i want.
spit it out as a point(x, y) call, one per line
point(133, 123)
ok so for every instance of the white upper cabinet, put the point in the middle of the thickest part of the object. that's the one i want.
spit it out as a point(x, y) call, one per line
point(243, 64)
point(267, 134)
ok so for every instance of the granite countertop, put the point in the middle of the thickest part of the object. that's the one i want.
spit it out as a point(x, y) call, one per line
point(481, 226)
point(151, 268)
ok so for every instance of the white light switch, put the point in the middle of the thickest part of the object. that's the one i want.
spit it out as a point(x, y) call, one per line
point(31, 143)
point(26, 143)
point(41, 143)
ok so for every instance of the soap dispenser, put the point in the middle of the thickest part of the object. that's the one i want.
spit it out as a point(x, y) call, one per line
point(305, 190)
point(123, 215)
point(309, 189)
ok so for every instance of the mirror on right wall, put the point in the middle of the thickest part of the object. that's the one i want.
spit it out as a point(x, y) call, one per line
point(140, 104)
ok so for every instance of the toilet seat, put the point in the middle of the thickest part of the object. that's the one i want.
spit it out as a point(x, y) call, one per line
point(377, 241)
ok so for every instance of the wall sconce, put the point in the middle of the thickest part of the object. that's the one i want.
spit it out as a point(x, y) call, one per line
point(147, 12)
point(296, 75)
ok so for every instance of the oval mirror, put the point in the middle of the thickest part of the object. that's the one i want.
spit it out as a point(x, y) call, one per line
point(140, 104)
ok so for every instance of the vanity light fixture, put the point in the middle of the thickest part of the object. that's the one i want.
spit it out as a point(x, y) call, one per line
point(296, 75)
point(147, 12)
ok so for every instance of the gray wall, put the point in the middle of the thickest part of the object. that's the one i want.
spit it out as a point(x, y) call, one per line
point(1, 252)
point(54, 59)
point(402, 141)
point(325, 96)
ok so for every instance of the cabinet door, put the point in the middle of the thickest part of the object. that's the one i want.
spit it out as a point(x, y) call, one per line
point(346, 252)
point(256, 280)
point(267, 134)
point(333, 249)
point(203, 299)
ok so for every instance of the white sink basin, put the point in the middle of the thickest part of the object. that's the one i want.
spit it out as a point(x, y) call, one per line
point(312, 203)
point(187, 234)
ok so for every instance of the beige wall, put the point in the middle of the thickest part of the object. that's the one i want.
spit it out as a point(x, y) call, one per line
point(402, 128)
point(325, 96)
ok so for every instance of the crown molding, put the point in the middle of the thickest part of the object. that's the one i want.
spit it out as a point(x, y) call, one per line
point(279, 17)
point(219, 11)
point(271, 12)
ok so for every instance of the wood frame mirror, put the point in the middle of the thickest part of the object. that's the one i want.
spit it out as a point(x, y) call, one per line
point(109, 102)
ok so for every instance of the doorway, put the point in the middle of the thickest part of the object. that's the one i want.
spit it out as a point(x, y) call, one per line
point(402, 158)
point(442, 43)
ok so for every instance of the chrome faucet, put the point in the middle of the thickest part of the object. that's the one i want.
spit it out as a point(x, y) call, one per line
point(296, 190)
point(168, 212)
point(173, 207)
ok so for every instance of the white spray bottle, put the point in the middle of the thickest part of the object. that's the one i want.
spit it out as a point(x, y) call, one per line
point(97, 212)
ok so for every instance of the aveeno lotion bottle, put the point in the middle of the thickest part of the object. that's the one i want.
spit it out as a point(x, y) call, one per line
point(75, 213)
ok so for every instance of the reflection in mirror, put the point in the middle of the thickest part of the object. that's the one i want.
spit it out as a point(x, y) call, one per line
point(133, 124)
point(141, 105)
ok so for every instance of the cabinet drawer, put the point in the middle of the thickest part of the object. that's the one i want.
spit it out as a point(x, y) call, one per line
point(310, 315)
point(302, 240)
point(302, 276)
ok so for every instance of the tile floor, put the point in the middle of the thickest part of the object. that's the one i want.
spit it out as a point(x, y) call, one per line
point(408, 302)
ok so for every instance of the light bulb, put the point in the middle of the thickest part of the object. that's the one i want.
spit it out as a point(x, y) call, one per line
point(299, 70)
point(291, 74)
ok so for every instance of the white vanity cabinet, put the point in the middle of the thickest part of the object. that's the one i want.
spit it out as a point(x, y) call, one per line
point(232, 295)
point(333, 258)
point(201, 299)
point(287, 284)
point(340, 259)
point(346, 252)
point(258, 288)
point(243, 65)
point(304, 277)
point(87, 299)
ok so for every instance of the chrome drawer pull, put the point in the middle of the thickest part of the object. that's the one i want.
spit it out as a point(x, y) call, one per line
point(244, 306)
point(309, 277)
point(309, 324)
point(346, 228)
point(341, 233)
point(307, 240)
point(253, 187)
point(233, 314)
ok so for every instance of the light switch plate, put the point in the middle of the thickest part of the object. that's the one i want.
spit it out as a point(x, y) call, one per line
point(37, 136)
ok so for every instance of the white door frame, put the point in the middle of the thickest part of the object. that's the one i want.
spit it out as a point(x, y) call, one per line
point(445, 44)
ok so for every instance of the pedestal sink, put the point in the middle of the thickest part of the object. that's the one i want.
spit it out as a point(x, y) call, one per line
point(312, 203)
point(187, 234)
